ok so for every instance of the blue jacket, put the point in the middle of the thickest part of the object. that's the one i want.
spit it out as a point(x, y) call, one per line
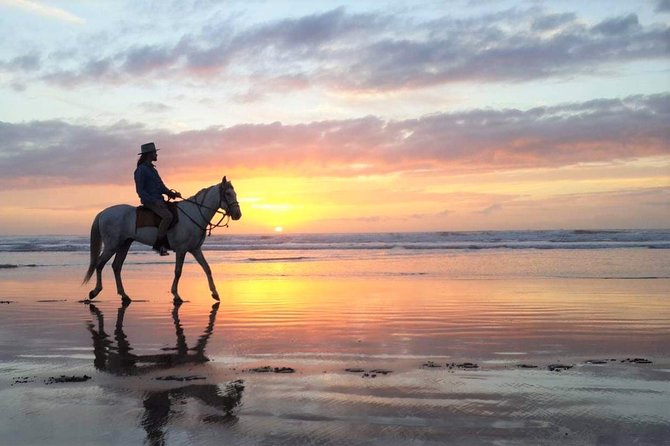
point(149, 185)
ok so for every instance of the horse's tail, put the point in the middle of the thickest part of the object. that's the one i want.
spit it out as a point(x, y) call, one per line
point(96, 245)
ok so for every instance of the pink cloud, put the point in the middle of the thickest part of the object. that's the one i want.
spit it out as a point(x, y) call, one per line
point(479, 140)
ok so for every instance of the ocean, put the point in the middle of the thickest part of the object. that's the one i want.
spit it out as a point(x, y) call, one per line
point(549, 254)
point(457, 240)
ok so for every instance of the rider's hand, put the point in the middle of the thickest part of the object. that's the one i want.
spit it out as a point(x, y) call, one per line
point(177, 194)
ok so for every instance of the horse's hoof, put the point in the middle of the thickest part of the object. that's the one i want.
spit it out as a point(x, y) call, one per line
point(177, 301)
point(125, 300)
point(215, 296)
point(92, 295)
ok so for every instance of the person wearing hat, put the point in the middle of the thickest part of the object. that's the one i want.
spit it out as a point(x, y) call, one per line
point(151, 188)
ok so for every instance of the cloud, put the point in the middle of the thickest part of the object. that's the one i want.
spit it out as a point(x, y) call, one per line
point(154, 107)
point(372, 52)
point(663, 6)
point(550, 22)
point(39, 154)
point(463, 51)
point(45, 11)
point(496, 207)
point(618, 25)
point(648, 208)
point(602, 130)
point(262, 86)
point(25, 62)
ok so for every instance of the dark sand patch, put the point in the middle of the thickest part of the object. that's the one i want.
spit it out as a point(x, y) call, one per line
point(466, 365)
point(268, 369)
point(24, 379)
point(431, 365)
point(368, 374)
point(180, 378)
point(637, 361)
point(275, 259)
point(66, 379)
point(11, 265)
point(463, 365)
point(558, 367)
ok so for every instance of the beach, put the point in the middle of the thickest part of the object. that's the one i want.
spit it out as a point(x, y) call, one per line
point(359, 340)
point(424, 223)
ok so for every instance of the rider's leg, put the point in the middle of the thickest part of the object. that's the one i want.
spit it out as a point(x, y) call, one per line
point(161, 209)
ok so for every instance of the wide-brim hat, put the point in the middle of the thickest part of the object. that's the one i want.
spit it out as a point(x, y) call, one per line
point(148, 148)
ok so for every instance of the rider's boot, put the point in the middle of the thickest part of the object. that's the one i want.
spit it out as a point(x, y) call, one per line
point(160, 246)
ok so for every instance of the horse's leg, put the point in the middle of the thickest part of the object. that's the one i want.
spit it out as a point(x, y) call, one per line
point(119, 258)
point(102, 261)
point(197, 253)
point(178, 265)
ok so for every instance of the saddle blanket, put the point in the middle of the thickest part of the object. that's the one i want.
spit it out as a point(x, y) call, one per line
point(146, 217)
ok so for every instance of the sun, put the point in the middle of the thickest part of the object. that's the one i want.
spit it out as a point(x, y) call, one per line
point(279, 229)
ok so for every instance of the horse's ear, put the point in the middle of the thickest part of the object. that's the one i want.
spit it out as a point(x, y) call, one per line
point(224, 181)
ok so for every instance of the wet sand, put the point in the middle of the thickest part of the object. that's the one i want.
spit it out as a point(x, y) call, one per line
point(300, 352)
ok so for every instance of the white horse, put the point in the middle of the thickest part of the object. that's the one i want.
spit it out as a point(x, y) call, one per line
point(114, 231)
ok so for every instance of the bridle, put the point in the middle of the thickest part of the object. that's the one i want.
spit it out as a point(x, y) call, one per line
point(224, 214)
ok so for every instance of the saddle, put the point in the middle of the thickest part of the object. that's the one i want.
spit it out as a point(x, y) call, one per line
point(145, 217)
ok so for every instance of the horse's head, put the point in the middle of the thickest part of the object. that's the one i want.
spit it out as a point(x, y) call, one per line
point(228, 199)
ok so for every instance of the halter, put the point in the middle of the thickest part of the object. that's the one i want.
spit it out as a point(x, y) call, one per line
point(209, 226)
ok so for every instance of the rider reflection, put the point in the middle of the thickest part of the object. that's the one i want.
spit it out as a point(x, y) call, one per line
point(118, 359)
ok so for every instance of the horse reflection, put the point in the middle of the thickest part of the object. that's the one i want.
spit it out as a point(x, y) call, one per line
point(119, 360)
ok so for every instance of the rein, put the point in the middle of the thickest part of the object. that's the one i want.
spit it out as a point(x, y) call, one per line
point(209, 227)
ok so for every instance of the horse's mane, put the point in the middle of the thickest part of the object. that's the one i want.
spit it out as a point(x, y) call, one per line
point(200, 192)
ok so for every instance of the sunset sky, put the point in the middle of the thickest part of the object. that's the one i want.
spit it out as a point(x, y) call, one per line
point(341, 116)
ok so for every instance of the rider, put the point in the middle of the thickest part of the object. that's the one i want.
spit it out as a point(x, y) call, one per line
point(150, 188)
